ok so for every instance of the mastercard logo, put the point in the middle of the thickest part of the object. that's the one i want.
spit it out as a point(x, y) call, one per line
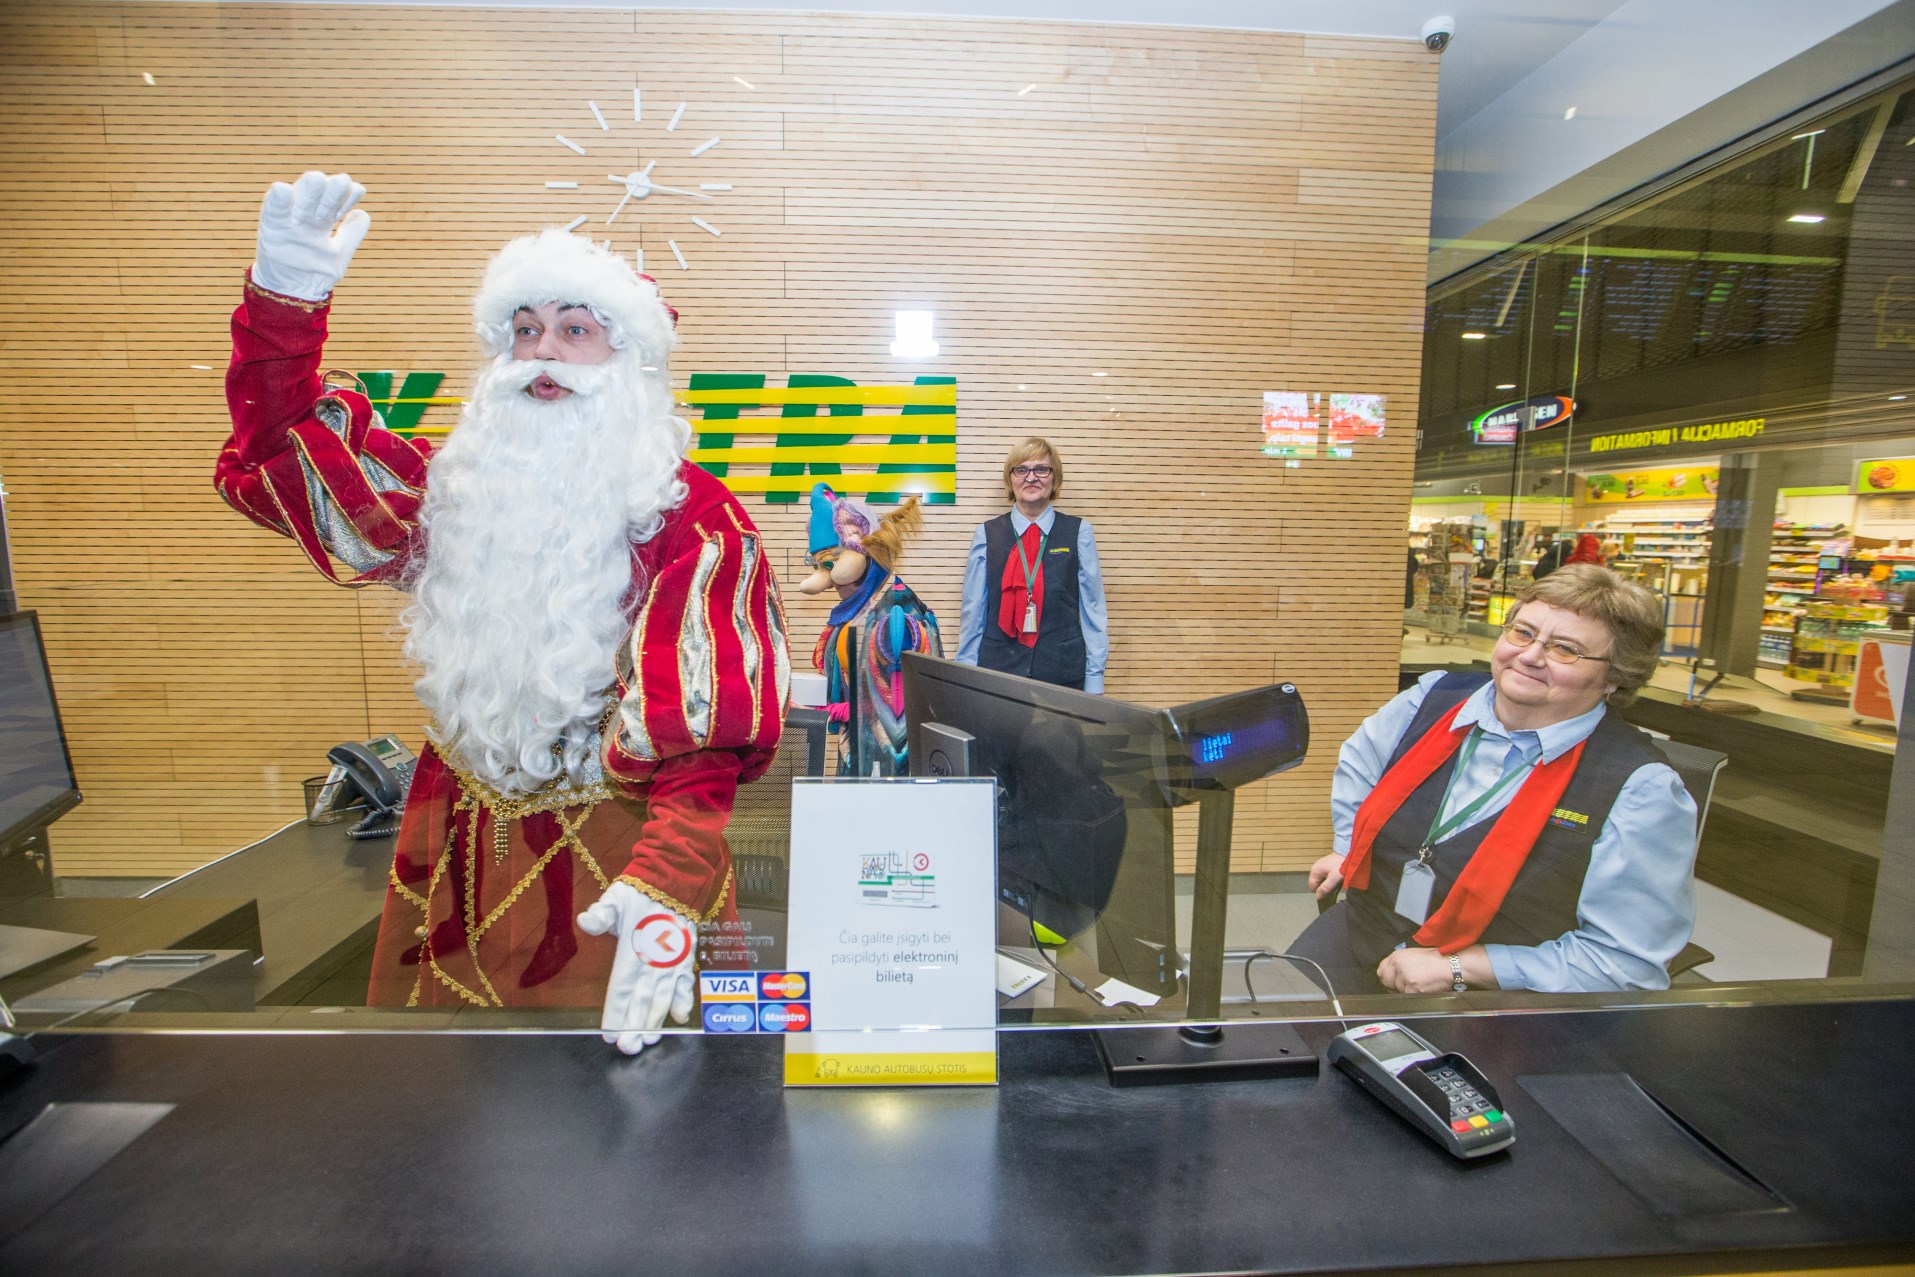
point(730, 1019)
point(783, 984)
point(784, 1017)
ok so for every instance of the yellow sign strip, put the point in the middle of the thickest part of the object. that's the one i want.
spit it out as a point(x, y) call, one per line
point(855, 483)
point(842, 454)
point(929, 1068)
point(869, 396)
point(891, 424)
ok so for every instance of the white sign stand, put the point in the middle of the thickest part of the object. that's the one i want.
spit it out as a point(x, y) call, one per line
point(894, 919)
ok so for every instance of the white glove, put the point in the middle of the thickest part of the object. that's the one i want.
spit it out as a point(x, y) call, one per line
point(652, 972)
point(299, 253)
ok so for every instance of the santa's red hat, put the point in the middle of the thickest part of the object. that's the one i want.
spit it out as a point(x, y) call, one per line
point(558, 266)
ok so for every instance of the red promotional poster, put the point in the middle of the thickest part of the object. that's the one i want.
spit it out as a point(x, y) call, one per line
point(1354, 417)
point(1289, 424)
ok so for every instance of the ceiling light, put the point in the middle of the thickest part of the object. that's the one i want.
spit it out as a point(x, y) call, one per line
point(1100, 374)
point(1474, 336)
point(739, 79)
point(1026, 89)
point(1898, 396)
point(1808, 219)
point(1508, 385)
point(1570, 114)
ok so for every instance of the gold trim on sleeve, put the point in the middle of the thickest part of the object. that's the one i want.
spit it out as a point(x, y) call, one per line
point(646, 889)
point(695, 660)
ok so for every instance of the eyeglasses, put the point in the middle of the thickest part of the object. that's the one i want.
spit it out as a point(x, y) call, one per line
point(1031, 472)
point(1520, 635)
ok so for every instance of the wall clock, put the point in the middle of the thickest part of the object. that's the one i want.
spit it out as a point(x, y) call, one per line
point(677, 212)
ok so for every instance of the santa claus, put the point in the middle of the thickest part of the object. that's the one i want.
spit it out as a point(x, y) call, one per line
point(599, 637)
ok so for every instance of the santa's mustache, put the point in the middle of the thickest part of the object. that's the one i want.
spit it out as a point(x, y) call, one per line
point(583, 380)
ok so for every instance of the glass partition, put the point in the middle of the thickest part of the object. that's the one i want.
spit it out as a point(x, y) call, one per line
point(994, 468)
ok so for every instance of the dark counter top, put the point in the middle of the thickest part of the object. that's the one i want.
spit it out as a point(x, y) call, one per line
point(522, 1153)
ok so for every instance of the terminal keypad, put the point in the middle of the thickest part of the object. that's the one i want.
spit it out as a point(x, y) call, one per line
point(1469, 1110)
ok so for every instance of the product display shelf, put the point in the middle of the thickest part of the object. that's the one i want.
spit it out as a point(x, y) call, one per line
point(1793, 551)
point(1681, 542)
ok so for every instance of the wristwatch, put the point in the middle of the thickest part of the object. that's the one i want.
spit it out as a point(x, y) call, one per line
point(1456, 975)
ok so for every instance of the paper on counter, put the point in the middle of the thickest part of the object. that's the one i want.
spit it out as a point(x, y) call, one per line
point(1113, 991)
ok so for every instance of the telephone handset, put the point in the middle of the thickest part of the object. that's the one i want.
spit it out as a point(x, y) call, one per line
point(379, 771)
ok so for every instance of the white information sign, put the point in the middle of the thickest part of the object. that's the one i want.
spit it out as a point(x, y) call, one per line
point(893, 892)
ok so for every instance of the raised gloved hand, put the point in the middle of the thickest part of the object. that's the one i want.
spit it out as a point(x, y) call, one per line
point(652, 972)
point(300, 253)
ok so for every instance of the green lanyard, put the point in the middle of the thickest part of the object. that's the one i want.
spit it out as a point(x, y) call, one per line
point(1440, 828)
point(1030, 569)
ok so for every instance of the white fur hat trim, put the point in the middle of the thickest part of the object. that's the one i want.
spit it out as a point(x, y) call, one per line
point(558, 266)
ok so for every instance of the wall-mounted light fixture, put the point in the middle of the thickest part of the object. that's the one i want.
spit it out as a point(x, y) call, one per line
point(914, 335)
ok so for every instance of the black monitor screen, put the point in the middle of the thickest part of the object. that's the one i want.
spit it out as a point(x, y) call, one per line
point(36, 775)
point(1084, 832)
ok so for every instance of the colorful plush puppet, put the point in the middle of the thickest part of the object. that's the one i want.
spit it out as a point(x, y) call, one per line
point(858, 555)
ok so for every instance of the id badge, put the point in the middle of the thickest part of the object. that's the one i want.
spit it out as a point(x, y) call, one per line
point(1413, 891)
point(1030, 618)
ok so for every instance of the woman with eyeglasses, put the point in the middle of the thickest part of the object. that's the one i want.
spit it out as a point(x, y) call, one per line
point(1506, 830)
point(1033, 591)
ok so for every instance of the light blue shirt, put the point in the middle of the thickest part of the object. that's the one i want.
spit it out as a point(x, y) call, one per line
point(1090, 596)
point(1638, 904)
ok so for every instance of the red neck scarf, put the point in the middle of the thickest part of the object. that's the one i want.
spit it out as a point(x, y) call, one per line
point(1479, 890)
point(1010, 610)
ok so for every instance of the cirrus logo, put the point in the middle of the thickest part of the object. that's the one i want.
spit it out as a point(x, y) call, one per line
point(730, 1019)
point(784, 1017)
point(783, 984)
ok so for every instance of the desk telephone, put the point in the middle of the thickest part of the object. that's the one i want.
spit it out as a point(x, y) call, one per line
point(377, 772)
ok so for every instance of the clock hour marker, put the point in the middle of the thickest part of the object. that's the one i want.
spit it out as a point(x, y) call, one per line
point(676, 116)
point(638, 106)
point(682, 263)
point(714, 186)
point(702, 147)
point(569, 142)
point(600, 117)
point(706, 226)
point(575, 223)
point(561, 186)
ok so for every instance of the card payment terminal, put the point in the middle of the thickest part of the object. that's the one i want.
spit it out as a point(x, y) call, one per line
point(1440, 1093)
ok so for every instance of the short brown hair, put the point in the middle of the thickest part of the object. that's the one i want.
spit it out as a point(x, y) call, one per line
point(1030, 450)
point(1632, 614)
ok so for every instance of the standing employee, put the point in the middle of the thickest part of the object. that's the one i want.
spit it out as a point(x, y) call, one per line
point(1033, 594)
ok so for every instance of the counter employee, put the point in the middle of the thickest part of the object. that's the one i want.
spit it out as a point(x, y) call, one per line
point(1508, 831)
point(1033, 593)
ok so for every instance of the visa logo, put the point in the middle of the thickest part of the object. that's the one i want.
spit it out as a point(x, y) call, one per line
point(727, 986)
point(724, 1018)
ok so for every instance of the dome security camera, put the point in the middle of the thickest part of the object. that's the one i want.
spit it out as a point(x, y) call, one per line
point(1438, 32)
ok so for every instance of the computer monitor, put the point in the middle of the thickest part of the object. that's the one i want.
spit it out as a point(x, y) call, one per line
point(1084, 806)
point(36, 772)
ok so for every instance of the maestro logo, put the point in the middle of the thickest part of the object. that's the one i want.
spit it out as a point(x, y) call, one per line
point(725, 1018)
point(662, 940)
point(784, 1017)
point(783, 985)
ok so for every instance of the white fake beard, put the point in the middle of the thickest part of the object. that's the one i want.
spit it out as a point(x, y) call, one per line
point(531, 512)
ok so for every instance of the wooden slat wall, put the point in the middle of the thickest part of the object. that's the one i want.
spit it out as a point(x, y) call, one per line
point(1202, 215)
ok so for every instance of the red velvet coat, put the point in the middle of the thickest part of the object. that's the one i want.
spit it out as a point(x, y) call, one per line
point(484, 890)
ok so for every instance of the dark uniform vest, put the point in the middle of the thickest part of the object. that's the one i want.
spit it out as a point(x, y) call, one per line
point(1059, 654)
point(1541, 904)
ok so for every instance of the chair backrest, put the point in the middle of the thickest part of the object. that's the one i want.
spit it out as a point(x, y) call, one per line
point(1698, 768)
